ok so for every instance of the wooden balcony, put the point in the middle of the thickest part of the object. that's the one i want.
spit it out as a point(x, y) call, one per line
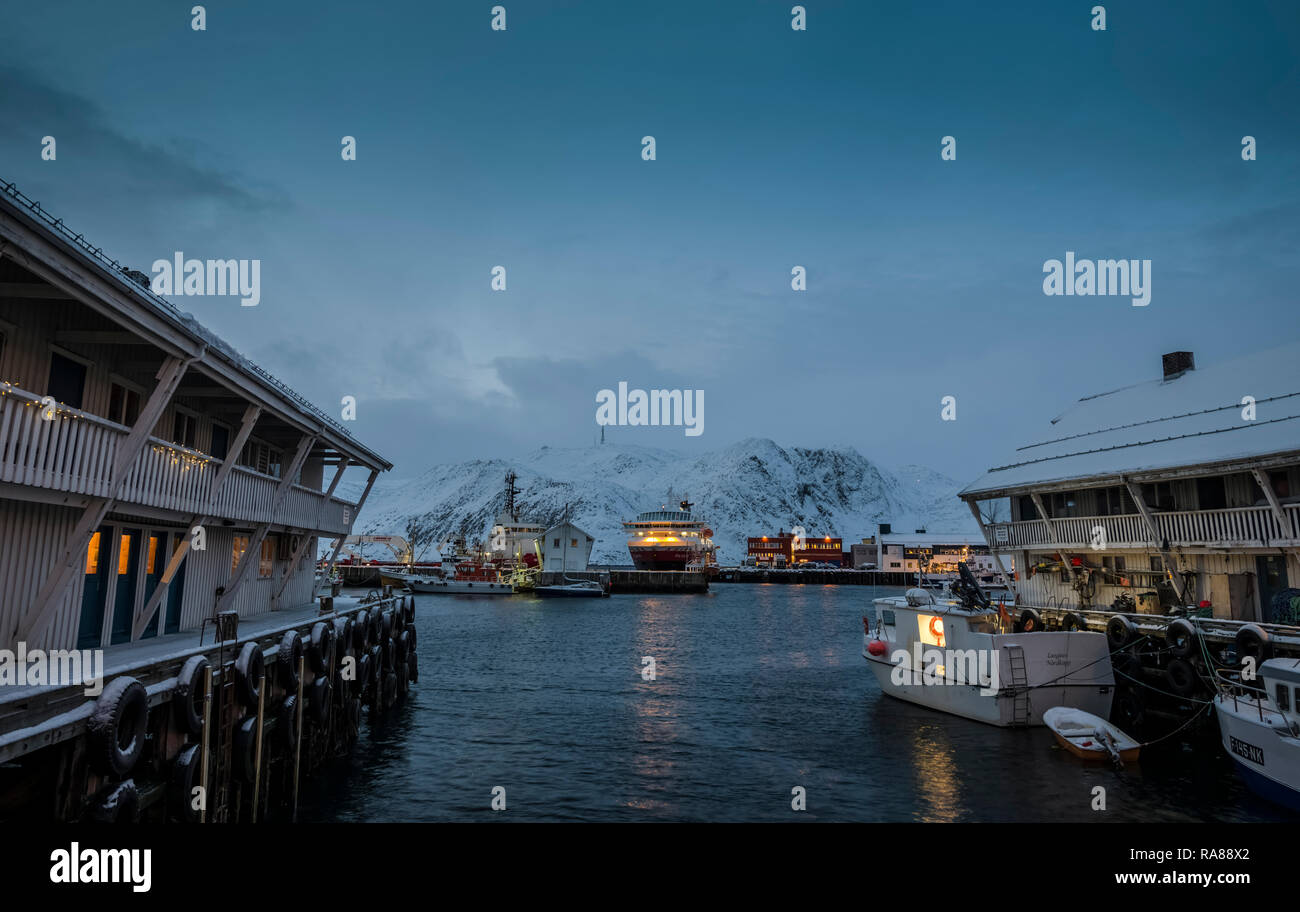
point(1238, 527)
point(74, 452)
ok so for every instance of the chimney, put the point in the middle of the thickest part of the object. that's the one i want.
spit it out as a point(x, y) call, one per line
point(885, 529)
point(1177, 363)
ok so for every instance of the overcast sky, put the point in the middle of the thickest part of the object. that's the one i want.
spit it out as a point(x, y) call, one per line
point(775, 148)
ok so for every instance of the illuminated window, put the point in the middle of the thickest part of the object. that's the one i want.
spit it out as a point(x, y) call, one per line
point(124, 556)
point(92, 555)
point(267, 562)
point(241, 545)
point(153, 555)
point(573, 543)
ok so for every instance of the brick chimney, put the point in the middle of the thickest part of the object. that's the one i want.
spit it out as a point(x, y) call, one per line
point(1177, 363)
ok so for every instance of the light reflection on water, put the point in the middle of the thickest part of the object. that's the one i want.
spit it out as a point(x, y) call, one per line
point(759, 688)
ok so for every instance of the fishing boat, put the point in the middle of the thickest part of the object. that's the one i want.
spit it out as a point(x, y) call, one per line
point(464, 578)
point(960, 654)
point(1090, 737)
point(1259, 733)
point(572, 589)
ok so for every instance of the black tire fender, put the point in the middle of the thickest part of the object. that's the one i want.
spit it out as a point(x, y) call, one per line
point(1030, 620)
point(1253, 642)
point(184, 779)
point(120, 804)
point(286, 722)
point(1181, 638)
point(187, 698)
point(1183, 679)
point(249, 669)
point(1119, 631)
point(246, 748)
point(322, 640)
point(286, 659)
point(117, 725)
point(413, 667)
point(322, 694)
point(361, 631)
point(1072, 621)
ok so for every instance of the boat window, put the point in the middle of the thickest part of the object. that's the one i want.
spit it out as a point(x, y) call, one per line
point(1283, 697)
point(887, 617)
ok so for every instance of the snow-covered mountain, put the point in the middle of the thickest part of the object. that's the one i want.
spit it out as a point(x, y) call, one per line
point(754, 487)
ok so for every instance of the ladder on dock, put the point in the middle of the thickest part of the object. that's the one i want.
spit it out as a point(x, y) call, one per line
point(1019, 684)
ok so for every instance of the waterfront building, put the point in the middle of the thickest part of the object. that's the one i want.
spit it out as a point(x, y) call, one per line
point(1180, 491)
point(786, 550)
point(565, 547)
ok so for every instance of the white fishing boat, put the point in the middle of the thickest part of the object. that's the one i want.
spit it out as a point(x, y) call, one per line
point(961, 655)
point(572, 589)
point(1259, 733)
point(1090, 737)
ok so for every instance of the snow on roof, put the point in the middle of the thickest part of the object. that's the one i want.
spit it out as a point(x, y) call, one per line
point(1193, 419)
point(927, 539)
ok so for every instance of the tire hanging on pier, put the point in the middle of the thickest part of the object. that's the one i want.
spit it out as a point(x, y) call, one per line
point(187, 698)
point(120, 805)
point(361, 632)
point(117, 725)
point(1131, 707)
point(413, 667)
point(249, 668)
point(1181, 639)
point(322, 640)
point(1030, 620)
point(185, 776)
point(1119, 631)
point(322, 694)
point(286, 659)
point(1253, 642)
point(1072, 621)
point(342, 636)
point(1183, 679)
point(286, 722)
point(246, 748)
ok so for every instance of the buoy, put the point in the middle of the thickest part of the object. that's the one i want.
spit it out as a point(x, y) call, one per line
point(876, 648)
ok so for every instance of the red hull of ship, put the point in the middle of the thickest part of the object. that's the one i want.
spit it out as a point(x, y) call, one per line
point(662, 558)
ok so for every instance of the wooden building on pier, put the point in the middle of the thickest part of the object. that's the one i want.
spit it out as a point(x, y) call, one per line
point(1174, 492)
point(150, 476)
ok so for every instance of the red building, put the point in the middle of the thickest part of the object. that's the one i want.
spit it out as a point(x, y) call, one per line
point(780, 550)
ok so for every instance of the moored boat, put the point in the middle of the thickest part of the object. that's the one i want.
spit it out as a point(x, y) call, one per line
point(572, 589)
point(670, 540)
point(1259, 733)
point(1090, 737)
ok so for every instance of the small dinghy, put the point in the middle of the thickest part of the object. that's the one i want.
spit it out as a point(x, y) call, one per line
point(1090, 737)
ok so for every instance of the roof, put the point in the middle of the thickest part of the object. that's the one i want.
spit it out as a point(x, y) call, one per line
point(216, 351)
point(1192, 420)
point(927, 539)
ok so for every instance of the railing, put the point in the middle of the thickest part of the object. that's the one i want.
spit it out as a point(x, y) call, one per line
point(74, 452)
point(1247, 527)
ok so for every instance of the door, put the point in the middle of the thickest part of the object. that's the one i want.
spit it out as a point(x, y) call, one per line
point(154, 558)
point(1241, 596)
point(128, 563)
point(175, 592)
point(1270, 571)
point(94, 588)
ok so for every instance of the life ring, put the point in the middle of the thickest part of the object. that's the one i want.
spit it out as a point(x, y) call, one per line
point(1072, 621)
point(249, 669)
point(286, 722)
point(1253, 642)
point(322, 694)
point(117, 725)
point(287, 657)
point(246, 748)
point(185, 774)
point(1183, 679)
point(1030, 620)
point(121, 804)
point(322, 640)
point(187, 698)
point(1181, 638)
point(1119, 631)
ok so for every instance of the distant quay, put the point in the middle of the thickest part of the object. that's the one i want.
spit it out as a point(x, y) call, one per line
point(822, 577)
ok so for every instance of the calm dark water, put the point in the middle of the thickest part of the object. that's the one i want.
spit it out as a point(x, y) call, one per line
point(759, 689)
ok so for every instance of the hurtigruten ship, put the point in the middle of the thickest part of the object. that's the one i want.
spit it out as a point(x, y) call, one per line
point(670, 540)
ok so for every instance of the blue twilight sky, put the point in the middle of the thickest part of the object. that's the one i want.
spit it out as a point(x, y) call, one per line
point(775, 148)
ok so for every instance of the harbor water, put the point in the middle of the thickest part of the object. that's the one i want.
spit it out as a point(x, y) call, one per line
point(758, 689)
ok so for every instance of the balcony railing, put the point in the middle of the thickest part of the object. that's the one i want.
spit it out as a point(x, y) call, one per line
point(1236, 527)
point(74, 452)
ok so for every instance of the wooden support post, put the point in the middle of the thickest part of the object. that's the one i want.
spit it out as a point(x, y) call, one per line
point(32, 625)
point(255, 543)
point(297, 741)
point(205, 745)
point(338, 545)
point(257, 750)
point(251, 415)
point(296, 558)
point(997, 558)
point(1051, 533)
point(1166, 556)
point(1284, 527)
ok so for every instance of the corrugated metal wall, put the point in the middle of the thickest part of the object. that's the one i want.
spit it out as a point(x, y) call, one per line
point(31, 537)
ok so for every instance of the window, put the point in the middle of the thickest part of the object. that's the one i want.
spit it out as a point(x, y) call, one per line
point(1211, 493)
point(184, 429)
point(1281, 483)
point(241, 545)
point(92, 555)
point(557, 543)
point(1159, 496)
point(124, 556)
point(1283, 697)
point(67, 380)
point(152, 558)
point(220, 442)
point(573, 543)
point(267, 562)
point(123, 404)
